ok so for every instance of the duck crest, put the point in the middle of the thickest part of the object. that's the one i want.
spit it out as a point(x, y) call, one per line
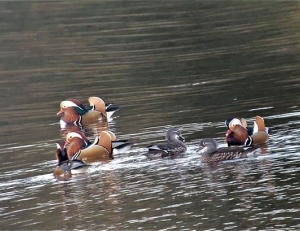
point(72, 135)
point(78, 134)
point(71, 103)
point(76, 104)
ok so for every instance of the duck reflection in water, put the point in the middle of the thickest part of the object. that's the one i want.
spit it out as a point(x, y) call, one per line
point(66, 167)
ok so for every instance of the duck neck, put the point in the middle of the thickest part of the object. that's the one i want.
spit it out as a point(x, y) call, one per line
point(76, 145)
point(207, 153)
point(71, 116)
point(179, 142)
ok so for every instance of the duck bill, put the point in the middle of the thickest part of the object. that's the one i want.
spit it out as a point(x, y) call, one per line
point(228, 132)
point(66, 144)
point(60, 112)
point(199, 149)
point(181, 138)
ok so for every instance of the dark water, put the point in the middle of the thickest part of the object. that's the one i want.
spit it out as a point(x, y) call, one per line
point(190, 64)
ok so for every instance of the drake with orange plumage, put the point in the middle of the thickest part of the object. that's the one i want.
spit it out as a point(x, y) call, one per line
point(72, 111)
point(238, 134)
point(103, 147)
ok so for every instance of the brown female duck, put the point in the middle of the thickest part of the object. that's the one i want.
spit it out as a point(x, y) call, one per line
point(210, 152)
point(174, 145)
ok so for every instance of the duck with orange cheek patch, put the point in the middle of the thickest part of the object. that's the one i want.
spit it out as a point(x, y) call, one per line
point(72, 111)
point(103, 147)
point(66, 167)
point(237, 133)
point(250, 130)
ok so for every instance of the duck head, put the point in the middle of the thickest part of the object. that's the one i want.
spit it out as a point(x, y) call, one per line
point(71, 135)
point(69, 115)
point(207, 145)
point(75, 141)
point(239, 120)
point(174, 134)
point(237, 133)
point(74, 103)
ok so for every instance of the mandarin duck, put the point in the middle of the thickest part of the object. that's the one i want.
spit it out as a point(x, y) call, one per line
point(72, 111)
point(238, 134)
point(244, 123)
point(65, 166)
point(210, 152)
point(103, 147)
point(172, 147)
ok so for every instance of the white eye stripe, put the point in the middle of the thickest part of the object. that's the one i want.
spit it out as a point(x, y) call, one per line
point(74, 134)
point(67, 103)
point(235, 122)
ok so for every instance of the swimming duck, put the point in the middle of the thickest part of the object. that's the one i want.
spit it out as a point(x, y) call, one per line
point(244, 123)
point(103, 147)
point(211, 153)
point(238, 134)
point(69, 115)
point(79, 114)
point(174, 145)
point(65, 166)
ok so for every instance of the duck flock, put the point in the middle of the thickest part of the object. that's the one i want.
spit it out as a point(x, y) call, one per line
point(76, 151)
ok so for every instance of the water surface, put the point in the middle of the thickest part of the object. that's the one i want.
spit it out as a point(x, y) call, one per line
point(189, 64)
